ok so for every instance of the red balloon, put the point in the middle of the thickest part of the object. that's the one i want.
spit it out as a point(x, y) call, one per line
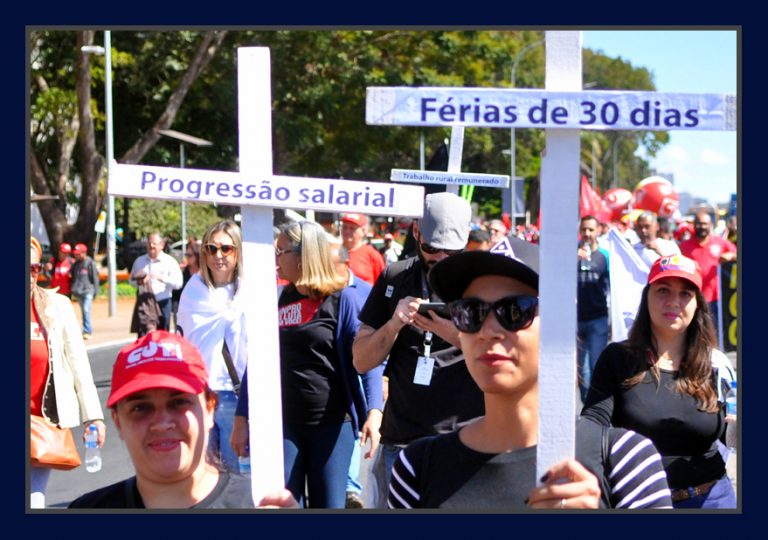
point(617, 200)
point(657, 195)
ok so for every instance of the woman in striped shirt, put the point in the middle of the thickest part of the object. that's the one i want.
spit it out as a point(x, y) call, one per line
point(491, 463)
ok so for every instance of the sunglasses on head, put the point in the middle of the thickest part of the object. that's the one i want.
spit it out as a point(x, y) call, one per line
point(35, 268)
point(426, 248)
point(514, 313)
point(213, 249)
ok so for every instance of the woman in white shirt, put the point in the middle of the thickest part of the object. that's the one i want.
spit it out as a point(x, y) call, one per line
point(211, 317)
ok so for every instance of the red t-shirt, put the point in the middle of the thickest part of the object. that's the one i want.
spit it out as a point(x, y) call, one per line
point(366, 263)
point(708, 257)
point(38, 358)
point(61, 275)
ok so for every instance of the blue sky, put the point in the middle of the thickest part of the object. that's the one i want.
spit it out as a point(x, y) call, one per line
point(704, 163)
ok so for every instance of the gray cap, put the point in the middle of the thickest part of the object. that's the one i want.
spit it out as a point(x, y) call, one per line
point(512, 257)
point(446, 221)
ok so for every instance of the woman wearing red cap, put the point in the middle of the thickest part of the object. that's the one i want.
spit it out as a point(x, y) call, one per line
point(163, 409)
point(61, 383)
point(665, 382)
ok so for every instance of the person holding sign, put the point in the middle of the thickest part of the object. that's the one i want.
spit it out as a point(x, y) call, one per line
point(324, 404)
point(163, 410)
point(664, 382)
point(211, 317)
point(430, 389)
point(491, 462)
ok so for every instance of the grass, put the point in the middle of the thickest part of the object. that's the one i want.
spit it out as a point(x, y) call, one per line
point(123, 290)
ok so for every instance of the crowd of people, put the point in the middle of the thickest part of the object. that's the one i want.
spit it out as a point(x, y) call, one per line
point(446, 396)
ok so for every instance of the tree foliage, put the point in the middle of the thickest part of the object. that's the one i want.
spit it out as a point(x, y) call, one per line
point(187, 81)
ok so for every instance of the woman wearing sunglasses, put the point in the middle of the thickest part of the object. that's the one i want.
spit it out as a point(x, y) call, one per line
point(61, 383)
point(490, 463)
point(189, 267)
point(324, 405)
point(211, 317)
point(666, 382)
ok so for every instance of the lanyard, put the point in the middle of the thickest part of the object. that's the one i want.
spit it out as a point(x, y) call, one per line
point(425, 294)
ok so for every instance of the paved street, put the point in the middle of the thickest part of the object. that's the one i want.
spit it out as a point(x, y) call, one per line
point(64, 486)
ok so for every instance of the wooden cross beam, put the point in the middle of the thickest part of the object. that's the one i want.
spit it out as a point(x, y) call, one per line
point(258, 191)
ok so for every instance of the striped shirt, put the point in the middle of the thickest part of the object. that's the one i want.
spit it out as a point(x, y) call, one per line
point(441, 472)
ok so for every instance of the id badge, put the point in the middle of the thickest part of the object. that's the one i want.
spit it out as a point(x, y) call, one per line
point(424, 367)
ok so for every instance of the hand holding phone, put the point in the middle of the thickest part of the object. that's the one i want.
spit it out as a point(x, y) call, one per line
point(438, 307)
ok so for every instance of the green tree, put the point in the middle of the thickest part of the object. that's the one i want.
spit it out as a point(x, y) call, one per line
point(65, 116)
point(188, 81)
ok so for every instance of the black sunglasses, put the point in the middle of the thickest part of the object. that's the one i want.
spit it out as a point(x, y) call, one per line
point(213, 249)
point(514, 313)
point(426, 248)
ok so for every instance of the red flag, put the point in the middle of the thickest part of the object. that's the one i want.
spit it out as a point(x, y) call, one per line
point(590, 203)
point(506, 220)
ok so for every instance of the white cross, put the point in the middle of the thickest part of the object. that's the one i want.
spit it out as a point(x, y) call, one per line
point(258, 191)
point(563, 109)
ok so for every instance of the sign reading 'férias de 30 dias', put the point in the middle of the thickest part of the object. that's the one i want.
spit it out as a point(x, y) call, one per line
point(232, 188)
point(492, 107)
point(449, 178)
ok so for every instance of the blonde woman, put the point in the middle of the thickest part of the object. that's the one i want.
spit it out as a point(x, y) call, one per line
point(323, 402)
point(211, 316)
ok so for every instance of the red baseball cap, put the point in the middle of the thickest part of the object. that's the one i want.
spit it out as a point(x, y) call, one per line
point(65, 248)
point(159, 359)
point(675, 266)
point(81, 248)
point(356, 219)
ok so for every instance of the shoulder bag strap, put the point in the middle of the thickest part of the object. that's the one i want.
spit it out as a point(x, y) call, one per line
point(231, 367)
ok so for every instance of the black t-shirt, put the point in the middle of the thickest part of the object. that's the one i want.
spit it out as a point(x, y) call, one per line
point(231, 491)
point(685, 436)
point(312, 385)
point(592, 291)
point(413, 410)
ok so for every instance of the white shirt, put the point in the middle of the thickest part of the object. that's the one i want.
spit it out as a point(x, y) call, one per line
point(165, 273)
point(208, 317)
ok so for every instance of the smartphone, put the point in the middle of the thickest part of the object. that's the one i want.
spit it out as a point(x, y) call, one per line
point(438, 307)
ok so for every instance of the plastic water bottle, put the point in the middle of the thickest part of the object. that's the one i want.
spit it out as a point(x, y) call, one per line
point(92, 450)
point(730, 409)
point(245, 464)
point(584, 265)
